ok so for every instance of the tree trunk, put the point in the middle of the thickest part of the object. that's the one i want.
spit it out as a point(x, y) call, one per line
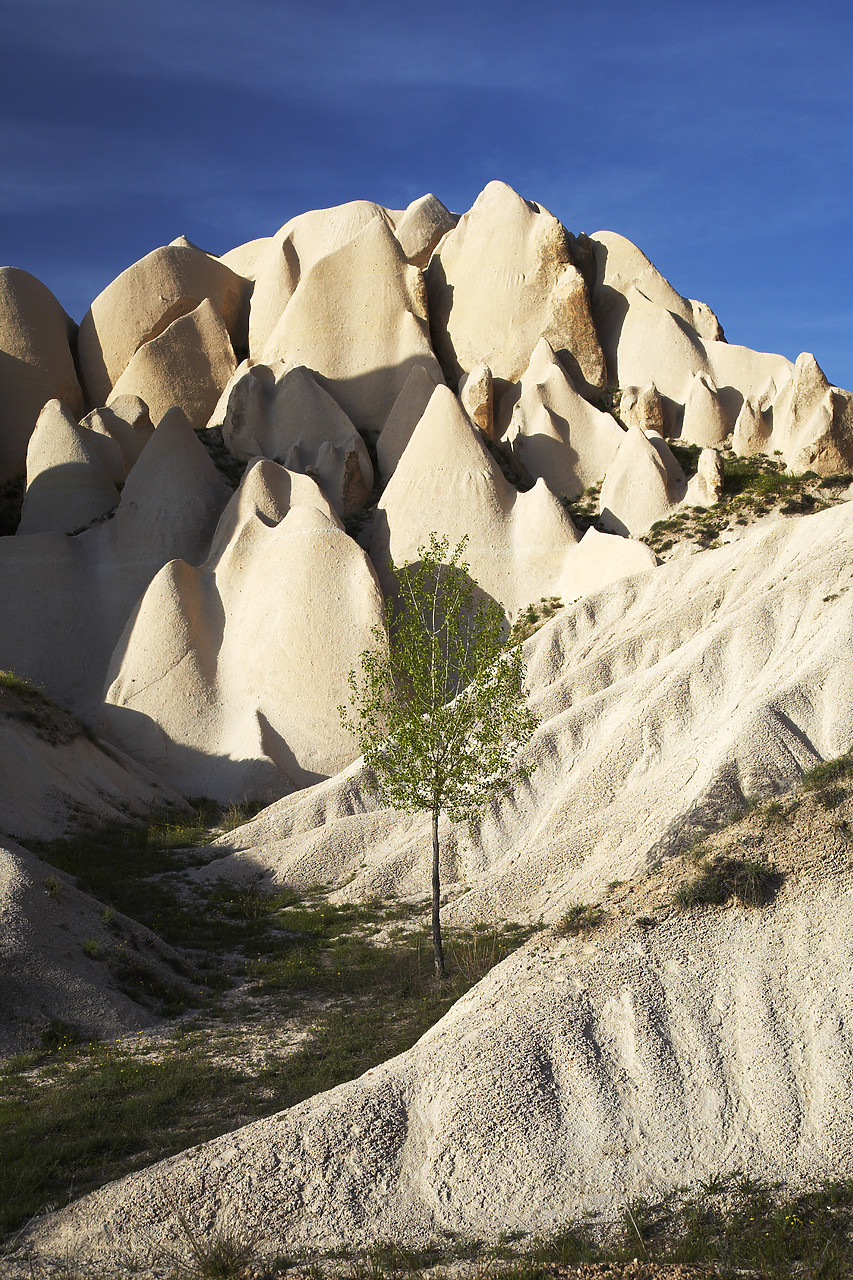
point(436, 902)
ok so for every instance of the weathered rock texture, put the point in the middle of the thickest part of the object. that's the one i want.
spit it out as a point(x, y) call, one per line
point(51, 771)
point(480, 310)
point(186, 366)
point(228, 677)
point(352, 323)
point(358, 318)
point(36, 364)
point(67, 599)
point(144, 301)
point(613, 1067)
point(664, 699)
point(47, 975)
point(283, 413)
point(210, 634)
point(521, 546)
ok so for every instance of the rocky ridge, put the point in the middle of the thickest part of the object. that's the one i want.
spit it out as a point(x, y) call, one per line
point(412, 371)
point(217, 467)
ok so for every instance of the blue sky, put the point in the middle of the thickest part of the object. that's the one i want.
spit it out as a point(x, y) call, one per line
point(717, 136)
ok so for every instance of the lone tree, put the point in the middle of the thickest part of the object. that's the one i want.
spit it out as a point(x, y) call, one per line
point(439, 710)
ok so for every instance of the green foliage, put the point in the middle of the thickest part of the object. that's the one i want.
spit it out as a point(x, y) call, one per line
point(752, 487)
point(531, 618)
point(580, 918)
point(750, 882)
point(584, 509)
point(440, 710)
point(828, 773)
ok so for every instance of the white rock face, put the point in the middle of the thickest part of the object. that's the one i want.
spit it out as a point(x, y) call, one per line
point(813, 422)
point(704, 421)
point(621, 266)
point(503, 279)
point(521, 546)
point(292, 252)
point(406, 413)
point(186, 366)
point(283, 413)
point(446, 480)
point(476, 395)
point(36, 364)
point(643, 485)
point(650, 334)
point(66, 600)
point(144, 301)
point(706, 487)
point(665, 699)
point(125, 428)
point(641, 407)
point(554, 433)
point(751, 432)
point(73, 470)
point(358, 318)
point(228, 677)
point(246, 259)
point(421, 227)
point(69, 482)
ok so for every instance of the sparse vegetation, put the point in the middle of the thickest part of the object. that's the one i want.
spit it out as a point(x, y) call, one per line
point(729, 1226)
point(534, 616)
point(25, 701)
point(74, 1115)
point(220, 1255)
point(721, 878)
point(752, 487)
point(581, 917)
point(584, 509)
point(358, 977)
point(828, 774)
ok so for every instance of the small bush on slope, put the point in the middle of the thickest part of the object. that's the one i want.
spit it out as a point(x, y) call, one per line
point(751, 882)
point(752, 488)
point(24, 701)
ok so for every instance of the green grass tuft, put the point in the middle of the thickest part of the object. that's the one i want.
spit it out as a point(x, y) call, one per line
point(581, 917)
point(531, 618)
point(720, 879)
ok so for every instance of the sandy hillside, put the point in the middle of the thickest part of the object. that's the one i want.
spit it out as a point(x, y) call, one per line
point(664, 701)
point(658, 1048)
point(197, 528)
point(67, 964)
point(51, 772)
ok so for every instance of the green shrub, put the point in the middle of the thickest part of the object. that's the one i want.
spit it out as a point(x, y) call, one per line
point(828, 773)
point(580, 918)
point(531, 618)
point(750, 882)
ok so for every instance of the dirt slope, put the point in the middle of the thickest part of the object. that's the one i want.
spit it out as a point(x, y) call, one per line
point(664, 700)
point(656, 1050)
